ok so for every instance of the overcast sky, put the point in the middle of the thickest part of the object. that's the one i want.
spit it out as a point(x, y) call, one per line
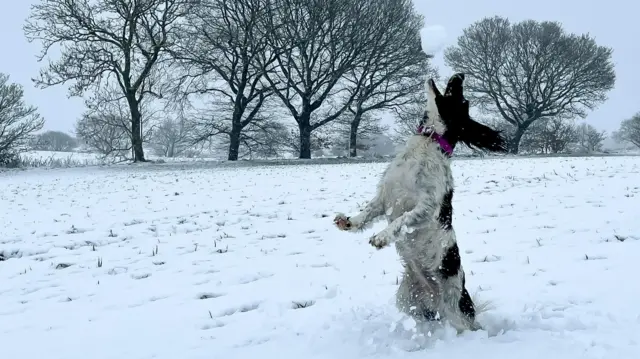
point(613, 23)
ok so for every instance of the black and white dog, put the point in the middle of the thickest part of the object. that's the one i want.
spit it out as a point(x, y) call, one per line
point(415, 194)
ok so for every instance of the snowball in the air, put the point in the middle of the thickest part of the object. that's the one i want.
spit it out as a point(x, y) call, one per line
point(433, 38)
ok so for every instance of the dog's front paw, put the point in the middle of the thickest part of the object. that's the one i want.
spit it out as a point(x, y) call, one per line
point(380, 240)
point(342, 222)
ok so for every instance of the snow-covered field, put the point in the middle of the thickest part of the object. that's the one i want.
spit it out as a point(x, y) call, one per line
point(77, 159)
point(158, 262)
point(63, 158)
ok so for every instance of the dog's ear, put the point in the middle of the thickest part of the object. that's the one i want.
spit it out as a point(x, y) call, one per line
point(482, 137)
point(454, 87)
point(432, 90)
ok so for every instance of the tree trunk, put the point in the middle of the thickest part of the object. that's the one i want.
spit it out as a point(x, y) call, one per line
point(514, 141)
point(353, 135)
point(304, 125)
point(136, 129)
point(234, 141)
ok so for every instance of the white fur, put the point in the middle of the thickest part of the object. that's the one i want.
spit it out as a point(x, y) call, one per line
point(409, 195)
point(433, 116)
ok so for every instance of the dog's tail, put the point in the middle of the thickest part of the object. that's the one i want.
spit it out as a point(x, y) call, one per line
point(481, 305)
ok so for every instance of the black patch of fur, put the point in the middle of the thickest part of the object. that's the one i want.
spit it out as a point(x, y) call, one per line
point(466, 304)
point(454, 86)
point(454, 111)
point(446, 211)
point(450, 262)
point(482, 137)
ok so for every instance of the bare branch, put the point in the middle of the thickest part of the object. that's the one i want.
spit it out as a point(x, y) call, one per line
point(17, 120)
point(589, 139)
point(549, 136)
point(629, 130)
point(172, 137)
point(106, 125)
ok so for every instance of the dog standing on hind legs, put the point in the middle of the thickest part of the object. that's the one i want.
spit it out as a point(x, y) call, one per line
point(415, 194)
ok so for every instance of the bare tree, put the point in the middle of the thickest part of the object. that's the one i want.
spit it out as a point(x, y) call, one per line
point(265, 138)
point(105, 40)
point(171, 137)
point(368, 126)
point(322, 139)
point(393, 66)
point(107, 118)
point(261, 138)
point(589, 139)
point(17, 120)
point(106, 129)
point(54, 141)
point(106, 134)
point(218, 53)
point(315, 43)
point(549, 136)
point(629, 130)
point(528, 71)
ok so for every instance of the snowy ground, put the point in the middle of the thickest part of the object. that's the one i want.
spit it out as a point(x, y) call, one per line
point(76, 159)
point(155, 262)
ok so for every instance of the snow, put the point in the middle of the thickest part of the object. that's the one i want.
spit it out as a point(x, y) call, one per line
point(194, 261)
point(434, 38)
point(76, 158)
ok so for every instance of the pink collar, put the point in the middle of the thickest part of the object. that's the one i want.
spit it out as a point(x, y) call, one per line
point(429, 131)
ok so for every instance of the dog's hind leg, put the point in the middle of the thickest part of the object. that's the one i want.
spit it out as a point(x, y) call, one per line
point(458, 305)
point(428, 297)
point(419, 294)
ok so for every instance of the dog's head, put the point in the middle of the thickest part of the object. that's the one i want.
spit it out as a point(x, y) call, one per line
point(449, 115)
